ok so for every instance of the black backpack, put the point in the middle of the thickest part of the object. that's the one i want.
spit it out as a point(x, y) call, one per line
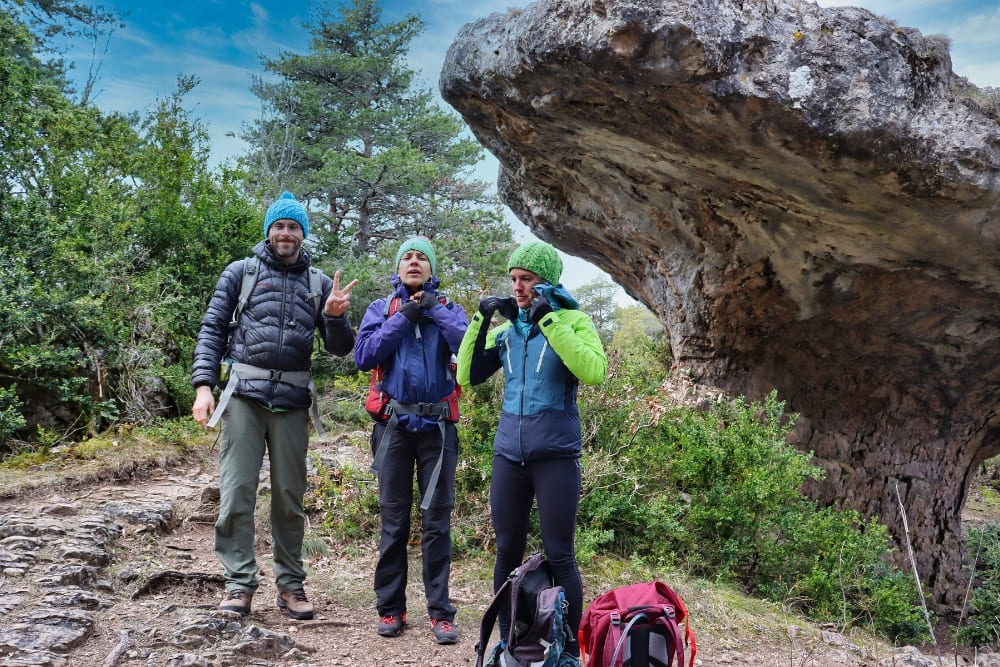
point(538, 630)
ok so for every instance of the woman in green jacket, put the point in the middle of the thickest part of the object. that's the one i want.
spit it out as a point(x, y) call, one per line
point(546, 348)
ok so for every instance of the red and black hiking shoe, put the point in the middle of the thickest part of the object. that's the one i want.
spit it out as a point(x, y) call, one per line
point(391, 626)
point(444, 631)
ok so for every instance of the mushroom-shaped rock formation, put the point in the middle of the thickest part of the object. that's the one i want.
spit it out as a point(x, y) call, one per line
point(804, 198)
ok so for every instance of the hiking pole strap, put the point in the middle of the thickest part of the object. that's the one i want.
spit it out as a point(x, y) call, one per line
point(383, 442)
point(432, 484)
point(223, 400)
point(241, 371)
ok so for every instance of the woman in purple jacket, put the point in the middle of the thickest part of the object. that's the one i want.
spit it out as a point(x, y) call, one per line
point(412, 337)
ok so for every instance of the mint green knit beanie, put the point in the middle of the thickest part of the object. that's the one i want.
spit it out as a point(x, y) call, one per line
point(421, 244)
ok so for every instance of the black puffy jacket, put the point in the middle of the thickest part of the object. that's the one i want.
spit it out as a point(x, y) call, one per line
point(274, 332)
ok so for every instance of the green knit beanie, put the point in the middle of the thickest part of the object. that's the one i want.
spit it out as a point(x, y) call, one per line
point(539, 258)
point(421, 244)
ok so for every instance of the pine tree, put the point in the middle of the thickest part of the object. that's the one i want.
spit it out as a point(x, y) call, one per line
point(346, 126)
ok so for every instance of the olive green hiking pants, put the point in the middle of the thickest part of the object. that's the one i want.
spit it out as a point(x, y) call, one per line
point(248, 430)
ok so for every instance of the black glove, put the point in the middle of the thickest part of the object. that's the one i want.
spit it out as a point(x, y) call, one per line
point(508, 308)
point(540, 307)
point(428, 299)
point(491, 304)
point(411, 310)
point(488, 306)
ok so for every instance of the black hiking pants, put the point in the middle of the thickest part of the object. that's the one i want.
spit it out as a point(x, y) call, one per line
point(405, 451)
point(555, 483)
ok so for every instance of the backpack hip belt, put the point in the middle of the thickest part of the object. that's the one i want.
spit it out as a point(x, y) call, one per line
point(393, 409)
point(440, 410)
point(241, 371)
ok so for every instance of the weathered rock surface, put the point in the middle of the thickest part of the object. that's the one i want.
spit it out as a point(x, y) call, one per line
point(66, 550)
point(802, 198)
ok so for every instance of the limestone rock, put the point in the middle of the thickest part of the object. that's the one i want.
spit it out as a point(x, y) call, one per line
point(803, 198)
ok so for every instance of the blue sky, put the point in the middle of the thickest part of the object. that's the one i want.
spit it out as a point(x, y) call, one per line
point(219, 41)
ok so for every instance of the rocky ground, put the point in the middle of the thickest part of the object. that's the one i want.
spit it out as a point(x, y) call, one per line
point(124, 574)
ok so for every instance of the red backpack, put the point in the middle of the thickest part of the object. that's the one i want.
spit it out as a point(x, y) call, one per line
point(636, 626)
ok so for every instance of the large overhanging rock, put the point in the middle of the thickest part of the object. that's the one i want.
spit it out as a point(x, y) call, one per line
point(799, 195)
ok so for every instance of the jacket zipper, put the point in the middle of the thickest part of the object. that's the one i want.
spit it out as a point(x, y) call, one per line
point(520, 411)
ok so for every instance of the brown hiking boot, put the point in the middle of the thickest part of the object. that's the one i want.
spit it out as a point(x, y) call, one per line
point(296, 604)
point(237, 601)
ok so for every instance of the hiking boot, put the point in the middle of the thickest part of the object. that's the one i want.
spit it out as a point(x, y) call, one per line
point(237, 601)
point(444, 631)
point(296, 604)
point(391, 626)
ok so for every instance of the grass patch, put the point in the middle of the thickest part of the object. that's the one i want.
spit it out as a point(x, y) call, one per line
point(120, 454)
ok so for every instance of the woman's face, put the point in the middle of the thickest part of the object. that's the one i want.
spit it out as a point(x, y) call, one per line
point(414, 269)
point(523, 282)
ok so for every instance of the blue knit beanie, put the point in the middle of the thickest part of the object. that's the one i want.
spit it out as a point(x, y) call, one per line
point(421, 244)
point(540, 258)
point(286, 206)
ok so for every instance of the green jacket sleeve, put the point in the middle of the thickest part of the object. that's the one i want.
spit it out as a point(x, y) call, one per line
point(465, 350)
point(475, 365)
point(572, 335)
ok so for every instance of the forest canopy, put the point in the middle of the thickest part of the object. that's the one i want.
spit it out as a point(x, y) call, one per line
point(115, 225)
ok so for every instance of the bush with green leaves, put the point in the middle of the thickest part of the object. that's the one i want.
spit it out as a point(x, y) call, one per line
point(344, 493)
point(717, 492)
point(983, 624)
point(11, 419)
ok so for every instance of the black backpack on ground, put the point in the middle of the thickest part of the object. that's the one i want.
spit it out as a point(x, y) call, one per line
point(539, 630)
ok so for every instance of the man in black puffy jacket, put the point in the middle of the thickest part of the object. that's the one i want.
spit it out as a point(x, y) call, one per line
point(267, 399)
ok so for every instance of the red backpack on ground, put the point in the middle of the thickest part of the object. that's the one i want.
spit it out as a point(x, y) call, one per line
point(636, 626)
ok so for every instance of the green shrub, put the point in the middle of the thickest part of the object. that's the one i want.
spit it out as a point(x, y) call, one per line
point(716, 492)
point(346, 497)
point(472, 529)
point(983, 624)
point(342, 395)
point(11, 419)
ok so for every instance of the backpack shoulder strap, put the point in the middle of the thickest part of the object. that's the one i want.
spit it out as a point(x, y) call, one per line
point(392, 305)
point(315, 288)
point(489, 621)
point(251, 267)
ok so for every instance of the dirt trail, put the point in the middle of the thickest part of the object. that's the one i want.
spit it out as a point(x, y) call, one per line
point(153, 598)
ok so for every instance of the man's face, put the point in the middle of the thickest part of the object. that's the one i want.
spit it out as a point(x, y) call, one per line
point(286, 238)
point(414, 269)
